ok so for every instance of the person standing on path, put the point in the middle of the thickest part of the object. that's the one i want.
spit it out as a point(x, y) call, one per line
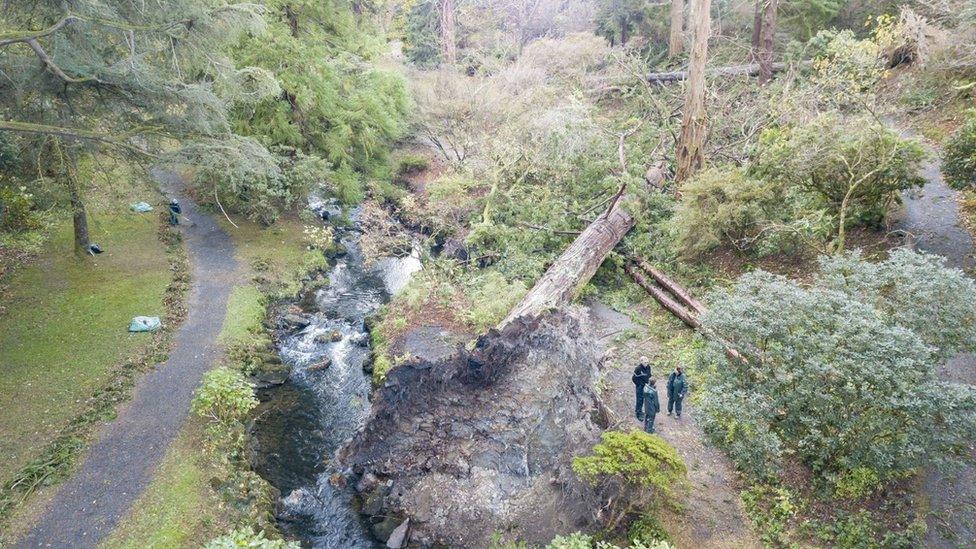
point(174, 212)
point(677, 389)
point(651, 405)
point(642, 373)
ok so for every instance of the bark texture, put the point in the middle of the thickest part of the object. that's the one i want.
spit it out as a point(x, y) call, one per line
point(79, 216)
point(767, 35)
point(693, 120)
point(676, 38)
point(448, 32)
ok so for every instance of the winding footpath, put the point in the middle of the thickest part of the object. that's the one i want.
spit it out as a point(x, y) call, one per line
point(933, 223)
point(127, 451)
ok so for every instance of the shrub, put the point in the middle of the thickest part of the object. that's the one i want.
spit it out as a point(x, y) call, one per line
point(492, 297)
point(225, 396)
point(770, 508)
point(409, 163)
point(959, 156)
point(855, 170)
point(834, 375)
point(857, 483)
point(245, 538)
point(727, 207)
point(634, 466)
point(17, 210)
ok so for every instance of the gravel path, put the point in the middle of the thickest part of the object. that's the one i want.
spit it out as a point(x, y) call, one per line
point(125, 455)
point(932, 220)
point(712, 516)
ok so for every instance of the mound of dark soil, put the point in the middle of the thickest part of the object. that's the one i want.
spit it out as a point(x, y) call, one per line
point(482, 441)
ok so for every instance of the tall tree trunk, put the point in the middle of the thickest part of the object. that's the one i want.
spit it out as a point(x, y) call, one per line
point(78, 214)
point(693, 123)
point(448, 32)
point(766, 36)
point(676, 42)
point(756, 30)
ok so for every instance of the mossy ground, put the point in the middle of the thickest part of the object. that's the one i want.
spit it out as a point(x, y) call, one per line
point(65, 327)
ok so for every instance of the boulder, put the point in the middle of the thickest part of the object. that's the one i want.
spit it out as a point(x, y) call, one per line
point(295, 321)
point(322, 364)
point(399, 536)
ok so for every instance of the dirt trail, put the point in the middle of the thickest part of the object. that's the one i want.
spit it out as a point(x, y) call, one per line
point(932, 220)
point(713, 516)
point(124, 457)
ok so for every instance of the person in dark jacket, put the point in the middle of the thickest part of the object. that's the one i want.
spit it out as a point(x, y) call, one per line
point(651, 405)
point(642, 373)
point(174, 212)
point(677, 389)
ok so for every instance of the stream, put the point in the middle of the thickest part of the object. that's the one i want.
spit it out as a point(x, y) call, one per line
point(306, 420)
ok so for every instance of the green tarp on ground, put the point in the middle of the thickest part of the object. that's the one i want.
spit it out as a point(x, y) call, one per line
point(145, 324)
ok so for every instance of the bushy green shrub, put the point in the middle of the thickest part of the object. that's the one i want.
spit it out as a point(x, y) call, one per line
point(579, 540)
point(835, 374)
point(492, 297)
point(246, 538)
point(17, 210)
point(857, 483)
point(635, 461)
point(224, 396)
point(854, 169)
point(959, 156)
point(727, 207)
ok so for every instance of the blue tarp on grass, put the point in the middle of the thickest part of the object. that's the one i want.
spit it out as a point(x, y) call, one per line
point(145, 324)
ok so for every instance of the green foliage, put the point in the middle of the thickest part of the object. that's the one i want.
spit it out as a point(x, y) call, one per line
point(636, 458)
point(621, 20)
point(805, 17)
point(852, 167)
point(847, 69)
point(579, 540)
point(492, 297)
point(727, 207)
point(647, 529)
point(835, 375)
point(334, 103)
point(17, 210)
point(857, 483)
point(407, 164)
point(246, 538)
point(224, 396)
point(421, 37)
point(959, 155)
point(770, 508)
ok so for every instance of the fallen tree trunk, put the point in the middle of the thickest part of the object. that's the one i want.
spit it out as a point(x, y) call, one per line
point(580, 261)
point(665, 281)
point(734, 70)
point(662, 297)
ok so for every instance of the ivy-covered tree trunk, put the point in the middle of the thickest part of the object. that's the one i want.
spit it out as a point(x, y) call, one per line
point(79, 215)
point(676, 37)
point(767, 35)
point(693, 127)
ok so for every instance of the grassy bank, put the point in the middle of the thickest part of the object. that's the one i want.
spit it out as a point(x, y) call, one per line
point(197, 494)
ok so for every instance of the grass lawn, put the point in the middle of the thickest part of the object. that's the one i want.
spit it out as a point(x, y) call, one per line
point(65, 326)
point(178, 509)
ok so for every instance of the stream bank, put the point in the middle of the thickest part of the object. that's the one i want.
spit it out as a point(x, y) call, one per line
point(324, 341)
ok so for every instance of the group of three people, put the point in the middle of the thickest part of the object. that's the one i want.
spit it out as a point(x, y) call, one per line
point(648, 405)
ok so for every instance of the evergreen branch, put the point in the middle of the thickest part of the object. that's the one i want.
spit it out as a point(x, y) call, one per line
point(8, 38)
point(50, 65)
point(121, 140)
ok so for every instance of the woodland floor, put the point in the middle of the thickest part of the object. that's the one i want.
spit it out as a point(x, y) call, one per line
point(127, 451)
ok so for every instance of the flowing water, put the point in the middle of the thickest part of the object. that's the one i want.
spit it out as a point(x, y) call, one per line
point(318, 409)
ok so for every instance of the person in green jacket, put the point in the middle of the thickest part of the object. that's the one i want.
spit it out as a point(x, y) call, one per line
point(677, 389)
point(651, 405)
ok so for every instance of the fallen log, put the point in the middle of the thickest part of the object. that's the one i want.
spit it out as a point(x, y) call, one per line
point(662, 297)
point(580, 261)
point(665, 281)
point(733, 70)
